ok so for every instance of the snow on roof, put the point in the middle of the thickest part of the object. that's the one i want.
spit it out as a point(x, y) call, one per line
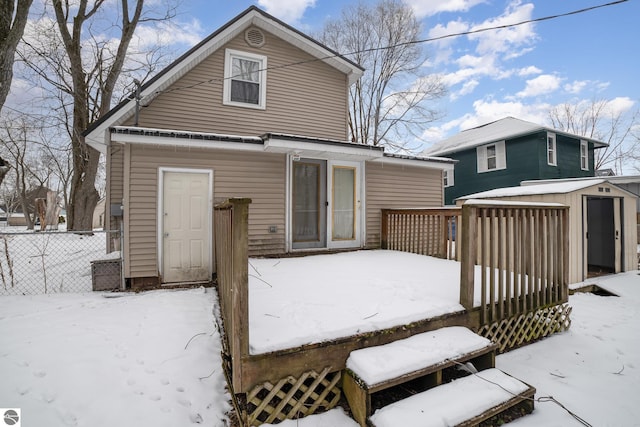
point(527, 190)
point(508, 127)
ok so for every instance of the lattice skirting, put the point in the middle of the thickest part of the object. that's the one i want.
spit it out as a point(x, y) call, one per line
point(522, 329)
point(292, 398)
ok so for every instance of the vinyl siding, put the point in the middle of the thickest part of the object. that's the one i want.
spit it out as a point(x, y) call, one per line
point(259, 176)
point(307, 99)
point(394, 186)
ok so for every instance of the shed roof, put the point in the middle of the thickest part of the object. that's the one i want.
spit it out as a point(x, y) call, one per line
point(506, 128)
point(562, 187)
point(252, 16)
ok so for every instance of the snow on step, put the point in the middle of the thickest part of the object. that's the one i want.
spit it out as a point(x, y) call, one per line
point(451, 403)
point(374, 365)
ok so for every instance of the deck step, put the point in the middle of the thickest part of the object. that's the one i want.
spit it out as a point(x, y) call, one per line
point(421, 357)
point(463, 402)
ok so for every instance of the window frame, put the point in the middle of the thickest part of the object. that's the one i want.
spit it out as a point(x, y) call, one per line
point(230, 55)
point(448, 178)
point(584, 157)
point(552, 153)
point(483, 158)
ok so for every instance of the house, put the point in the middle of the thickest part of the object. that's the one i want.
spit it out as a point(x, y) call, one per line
point(505, 152)
point(602, 221)
point(256, 110)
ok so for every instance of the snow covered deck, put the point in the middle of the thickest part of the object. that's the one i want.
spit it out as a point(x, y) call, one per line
point(308, 300)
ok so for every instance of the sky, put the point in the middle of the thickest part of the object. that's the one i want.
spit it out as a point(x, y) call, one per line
point(521, 71)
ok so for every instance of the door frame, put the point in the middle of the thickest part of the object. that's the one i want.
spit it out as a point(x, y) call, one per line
point(618, 230)
point(360, 203)
point(160, 220)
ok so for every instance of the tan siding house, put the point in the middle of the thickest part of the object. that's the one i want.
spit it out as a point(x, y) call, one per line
point(257, 110)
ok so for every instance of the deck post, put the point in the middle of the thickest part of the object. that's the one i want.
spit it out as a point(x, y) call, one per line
point(240, 283)
point(384, 229)
point(468, 252)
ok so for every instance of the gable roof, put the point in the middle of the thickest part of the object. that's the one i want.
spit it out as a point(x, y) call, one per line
point(252, 16)
point(506, 128)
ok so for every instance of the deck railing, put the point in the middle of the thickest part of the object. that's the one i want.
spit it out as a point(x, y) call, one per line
point(231, 250)
point(523, 254)
point(430, 231)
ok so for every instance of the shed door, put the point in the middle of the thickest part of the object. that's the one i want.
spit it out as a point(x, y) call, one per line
point(186, 227)
point(601, 235)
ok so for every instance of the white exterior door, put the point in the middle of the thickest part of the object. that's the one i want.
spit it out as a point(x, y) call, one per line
point(186, 226)
point(344, 205)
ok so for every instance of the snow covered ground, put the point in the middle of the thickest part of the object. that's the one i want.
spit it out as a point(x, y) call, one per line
point(152, 359)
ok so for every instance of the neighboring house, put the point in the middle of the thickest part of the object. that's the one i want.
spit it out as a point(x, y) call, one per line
point(602, 221)
point(505, 152)
point(256, 110)
point(99, 214)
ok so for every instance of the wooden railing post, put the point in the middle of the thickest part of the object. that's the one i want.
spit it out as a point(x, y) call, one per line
point(384, 229)
point(232, 262)
point(468, 251)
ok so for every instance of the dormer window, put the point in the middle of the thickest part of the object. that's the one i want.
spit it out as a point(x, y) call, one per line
point(245, 78)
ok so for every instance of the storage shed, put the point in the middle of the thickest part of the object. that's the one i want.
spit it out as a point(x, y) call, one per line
point(602, 222)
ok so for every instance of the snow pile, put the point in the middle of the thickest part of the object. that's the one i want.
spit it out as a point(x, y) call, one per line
point(135, 360)
point(451, 403)
point(377, 364)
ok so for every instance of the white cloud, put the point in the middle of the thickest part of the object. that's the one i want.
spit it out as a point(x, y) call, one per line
point(576, 86)
point(290, 11)
point(620, 105)
point(167, 33)
point(527, 71)
point(467, 88)
point(508, 39)
point(541, 85)
point(423, 8)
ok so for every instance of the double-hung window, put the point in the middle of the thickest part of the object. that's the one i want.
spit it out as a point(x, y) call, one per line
point(245, 78)
point(584, 155)
point(551, 149)
point(491, 157)
point(447, 178)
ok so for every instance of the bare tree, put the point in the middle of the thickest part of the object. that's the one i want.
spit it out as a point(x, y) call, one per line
point(13, 18)
point(81, 68)
point(392, 100)
point(31, 174)
point(599, 119)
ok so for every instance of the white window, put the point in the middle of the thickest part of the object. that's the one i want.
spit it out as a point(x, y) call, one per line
point(584, 155)
point(491, 157)
point(447, 178)
point(551, 149)
point(245, 79)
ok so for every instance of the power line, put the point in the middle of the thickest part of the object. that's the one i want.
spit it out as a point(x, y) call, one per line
point(413, 42)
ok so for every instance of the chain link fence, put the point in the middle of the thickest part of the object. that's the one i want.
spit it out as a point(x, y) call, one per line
point(58, 261)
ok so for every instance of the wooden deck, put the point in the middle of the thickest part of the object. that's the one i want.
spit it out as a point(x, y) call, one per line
point(521, 252)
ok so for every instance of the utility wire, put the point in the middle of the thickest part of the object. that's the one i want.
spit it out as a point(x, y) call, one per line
point(468, 367)
point(413, 42)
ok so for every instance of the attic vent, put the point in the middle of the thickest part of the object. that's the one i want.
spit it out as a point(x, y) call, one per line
point(254, 37)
